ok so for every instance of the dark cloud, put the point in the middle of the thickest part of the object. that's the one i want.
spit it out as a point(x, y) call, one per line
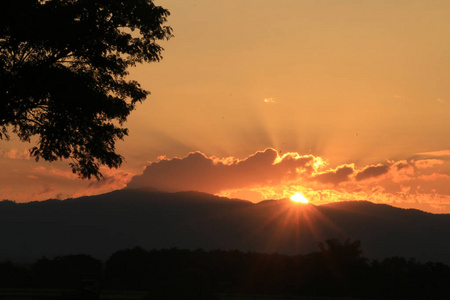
point(371, 172)
point(336, 176)
point(402, 165)
point(209, 174)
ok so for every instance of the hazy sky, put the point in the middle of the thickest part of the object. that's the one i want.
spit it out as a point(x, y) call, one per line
point(356, 91)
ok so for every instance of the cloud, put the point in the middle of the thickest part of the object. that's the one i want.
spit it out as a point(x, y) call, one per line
point(441, 153)
point(53, 172)
point(401, 171)
point(199, 172)
point(428, 163)
point(336, 176)
point(47, 189)
point(434, 176)
point(15, 154)
point(371, 172)
point(269, 175)
point(113, 180)
point(423, 179)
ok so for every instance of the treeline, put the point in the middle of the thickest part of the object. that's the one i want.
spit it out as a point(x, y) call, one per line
point(337, 269)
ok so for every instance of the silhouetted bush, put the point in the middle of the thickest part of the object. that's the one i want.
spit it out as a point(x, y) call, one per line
point(13, 276)
point(338, 269)
point(66, 271)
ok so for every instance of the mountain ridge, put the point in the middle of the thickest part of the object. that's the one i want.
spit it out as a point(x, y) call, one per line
point(101, 224)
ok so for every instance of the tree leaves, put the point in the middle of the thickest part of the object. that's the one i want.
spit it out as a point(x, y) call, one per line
point(63, 68)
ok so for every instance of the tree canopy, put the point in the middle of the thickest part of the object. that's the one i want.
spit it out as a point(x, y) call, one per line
point(63, 74)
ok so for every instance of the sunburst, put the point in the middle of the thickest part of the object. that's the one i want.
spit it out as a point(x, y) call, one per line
point(299, 198)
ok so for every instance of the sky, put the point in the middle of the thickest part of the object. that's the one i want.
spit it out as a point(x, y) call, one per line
point(256, 99)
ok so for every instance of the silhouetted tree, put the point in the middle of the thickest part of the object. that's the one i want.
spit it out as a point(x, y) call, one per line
point(344, 252)
point(187, 284)
point(345, 264)
point(63, 68)
point(185, 274)
point(130, 269)
point(66, 271)
point(13, 276)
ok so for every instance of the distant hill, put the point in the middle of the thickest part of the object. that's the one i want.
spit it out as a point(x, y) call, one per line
point(100, 225)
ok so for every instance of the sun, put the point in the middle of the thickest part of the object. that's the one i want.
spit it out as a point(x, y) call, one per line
point(299, 198)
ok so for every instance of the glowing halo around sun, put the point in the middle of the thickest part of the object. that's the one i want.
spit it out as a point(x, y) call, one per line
point(299, 198)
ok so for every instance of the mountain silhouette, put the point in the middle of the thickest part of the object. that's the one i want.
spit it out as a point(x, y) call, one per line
point(100, 225)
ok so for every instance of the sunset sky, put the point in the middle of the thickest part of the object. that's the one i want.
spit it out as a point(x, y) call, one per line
point(257, 99)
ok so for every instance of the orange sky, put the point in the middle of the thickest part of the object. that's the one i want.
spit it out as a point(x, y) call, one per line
point(360, 85)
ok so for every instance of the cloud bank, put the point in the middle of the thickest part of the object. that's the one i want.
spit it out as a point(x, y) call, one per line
point(198, 172)
point(267, 174)
point(422, 181)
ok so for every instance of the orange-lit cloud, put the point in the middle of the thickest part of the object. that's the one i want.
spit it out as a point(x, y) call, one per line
point(46, 190)
point(268, 175)
point(440, 153)
point(15, 154)
point(198, 172)
point(419, 182)
point(371, 172)
point(336, 176)
point(434, 176)
point(402, 171)
point(49, 181)
point(428, 163)
point(113, 180)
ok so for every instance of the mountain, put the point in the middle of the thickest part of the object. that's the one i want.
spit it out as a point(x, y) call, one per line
point(100, 225)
